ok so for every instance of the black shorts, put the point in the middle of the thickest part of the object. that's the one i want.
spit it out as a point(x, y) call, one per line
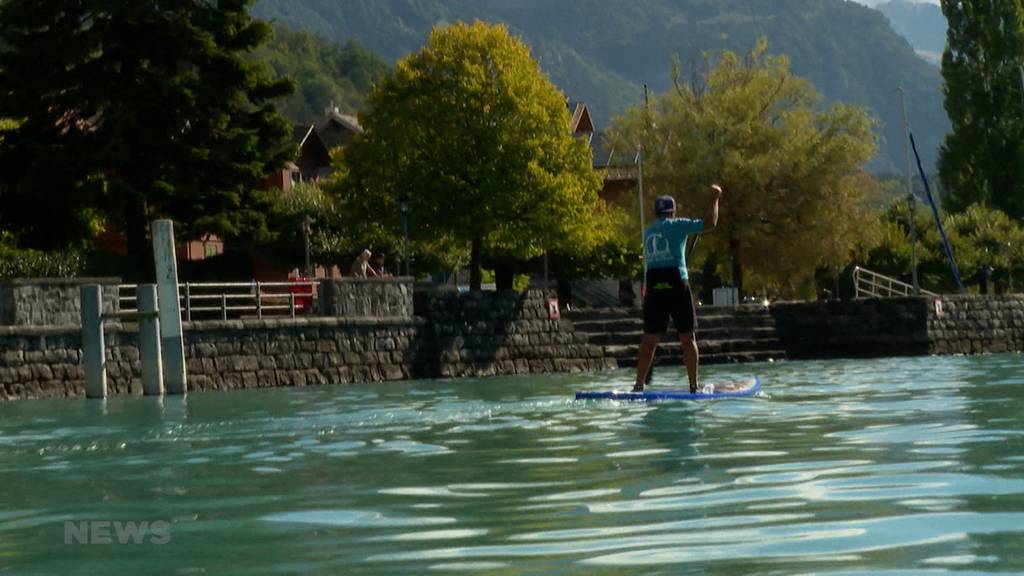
point(668, 295)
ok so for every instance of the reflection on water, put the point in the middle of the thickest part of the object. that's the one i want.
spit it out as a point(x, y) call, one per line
point(897, 466)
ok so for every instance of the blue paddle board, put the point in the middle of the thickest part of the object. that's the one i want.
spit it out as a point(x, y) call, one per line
point(738, 389)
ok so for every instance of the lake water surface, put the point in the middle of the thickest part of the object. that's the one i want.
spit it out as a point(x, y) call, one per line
point(895, 466)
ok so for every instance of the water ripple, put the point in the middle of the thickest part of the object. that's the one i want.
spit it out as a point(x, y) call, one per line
point(895, 466)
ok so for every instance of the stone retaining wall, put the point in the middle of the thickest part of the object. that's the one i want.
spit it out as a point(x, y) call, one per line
point(901, 326)
point(853, 328)
point(48, 301)
point(486, 333)
point(366, 297)
point(478, 334)
point(471, 335)
point(977, 324)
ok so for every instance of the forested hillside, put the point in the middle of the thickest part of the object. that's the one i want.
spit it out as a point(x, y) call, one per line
point(922, 24)
point(603, 51)
point(324, 72)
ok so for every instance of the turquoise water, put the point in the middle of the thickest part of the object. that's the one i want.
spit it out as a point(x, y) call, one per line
point(897, 466)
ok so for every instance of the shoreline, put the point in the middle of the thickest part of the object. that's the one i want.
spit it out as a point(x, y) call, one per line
point(456, 335)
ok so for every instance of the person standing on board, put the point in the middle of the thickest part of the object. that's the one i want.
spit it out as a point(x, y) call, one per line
point(668, 288)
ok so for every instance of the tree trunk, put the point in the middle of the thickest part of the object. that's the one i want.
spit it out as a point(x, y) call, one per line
point(475, 272)
point(737, 266)
point(503, 276)
point(140, 255)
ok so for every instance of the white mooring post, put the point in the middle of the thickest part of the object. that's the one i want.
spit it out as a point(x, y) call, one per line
point(172, 343)
point(93, 349)
point(149, 341)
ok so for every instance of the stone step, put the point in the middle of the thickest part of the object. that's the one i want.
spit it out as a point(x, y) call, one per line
point(582, 314)
point(709, 347)
point(634, 335)
point(676, 359)
point(628, 324)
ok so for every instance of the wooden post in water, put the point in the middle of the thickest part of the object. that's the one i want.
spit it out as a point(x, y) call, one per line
point(171, 341)
point(93, 348)
point(149, 341)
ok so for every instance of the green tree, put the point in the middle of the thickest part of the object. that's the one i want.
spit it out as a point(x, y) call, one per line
point(477, 139)
point(796, 196)
point(982, 160)
point(6, 124)
point(979, 237)
point(136, 110)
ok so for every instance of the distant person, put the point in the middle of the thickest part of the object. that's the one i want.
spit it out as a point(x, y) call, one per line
point(361, 268)
point(379, 265)
point(667, 284)
point(302, 287)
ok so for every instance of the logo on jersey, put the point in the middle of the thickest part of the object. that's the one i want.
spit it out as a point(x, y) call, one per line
point(657, 250)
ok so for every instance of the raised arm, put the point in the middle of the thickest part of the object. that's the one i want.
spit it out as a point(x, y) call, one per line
point(711, 216)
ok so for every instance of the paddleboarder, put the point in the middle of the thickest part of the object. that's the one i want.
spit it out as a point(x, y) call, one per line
point(668, 289)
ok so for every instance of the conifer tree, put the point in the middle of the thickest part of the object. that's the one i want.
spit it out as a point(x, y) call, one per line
point(133, 111)
point(982, 160)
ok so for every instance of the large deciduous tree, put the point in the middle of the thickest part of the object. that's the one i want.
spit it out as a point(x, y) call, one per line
point(795, 189)
point(132, 111)
point(982, 160)
point(475, 138)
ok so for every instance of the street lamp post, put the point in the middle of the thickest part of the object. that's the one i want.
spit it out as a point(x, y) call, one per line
point(404, 203)
point(1009, 247)
point(307, 223)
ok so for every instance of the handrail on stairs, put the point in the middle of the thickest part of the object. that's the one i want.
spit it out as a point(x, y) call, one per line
point(868, 284)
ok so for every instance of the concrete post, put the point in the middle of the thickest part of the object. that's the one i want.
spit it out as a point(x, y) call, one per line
point(171, 341)
point(93, 348)
point(149, 342)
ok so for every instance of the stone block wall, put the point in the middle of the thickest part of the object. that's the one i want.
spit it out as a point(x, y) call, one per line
point(467, 335)
point(50, 302)
point(977, 324)
point(487, 333)
point(853, 328)
point(911, 326)
point(40, 362)
point(221, 355)
point(367, 297)
point(269, 353)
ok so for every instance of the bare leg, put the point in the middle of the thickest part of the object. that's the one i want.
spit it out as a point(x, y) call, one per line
point(644, 359)
point(691, 357)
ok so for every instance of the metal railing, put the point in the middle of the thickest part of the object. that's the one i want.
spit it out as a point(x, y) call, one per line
point(868, 284)
point(230, 300)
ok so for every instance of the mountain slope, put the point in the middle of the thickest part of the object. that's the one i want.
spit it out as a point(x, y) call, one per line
point(922, 24)
point(324, 72)
point(603, 51)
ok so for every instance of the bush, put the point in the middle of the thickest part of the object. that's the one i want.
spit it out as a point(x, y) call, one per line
point(16, 263)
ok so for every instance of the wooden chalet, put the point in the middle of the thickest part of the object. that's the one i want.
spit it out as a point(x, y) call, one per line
point(619, 166)
point(315, 141)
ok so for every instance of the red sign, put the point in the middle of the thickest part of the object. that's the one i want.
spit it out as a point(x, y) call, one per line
point(553, 312)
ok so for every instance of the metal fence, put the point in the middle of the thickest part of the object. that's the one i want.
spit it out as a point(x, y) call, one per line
point(231, 300)
point(870, 284)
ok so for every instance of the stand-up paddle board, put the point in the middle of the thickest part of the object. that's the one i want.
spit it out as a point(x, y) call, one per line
point(737, 389)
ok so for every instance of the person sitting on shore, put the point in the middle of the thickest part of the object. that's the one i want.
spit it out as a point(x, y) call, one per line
point(379, 265)
point(361, 268)
point(667, 284)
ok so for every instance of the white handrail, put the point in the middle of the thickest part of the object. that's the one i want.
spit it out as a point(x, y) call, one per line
point(868, 284)
point(221, 299)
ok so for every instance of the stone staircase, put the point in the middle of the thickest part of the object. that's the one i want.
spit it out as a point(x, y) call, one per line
point(724, 335)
